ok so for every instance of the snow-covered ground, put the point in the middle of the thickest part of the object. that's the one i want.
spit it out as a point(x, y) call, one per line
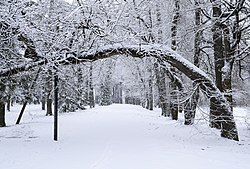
point(119, 137)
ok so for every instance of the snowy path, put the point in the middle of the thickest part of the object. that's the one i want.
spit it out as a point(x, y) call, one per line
point(116, 137)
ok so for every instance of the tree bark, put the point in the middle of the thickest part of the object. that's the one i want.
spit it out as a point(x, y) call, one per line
point(190, 108)
point(2, 114)
point(49, 106)
point(228, 66)
point(223, 56)
point(150, 95)
point(2, 105)
point(162, 91)
point(8, 103)
point(174, 106)
point(159, 70)
point(106, 89)
point(43, 102)
point(215, 113)
point(49, 93)
point(191, 104)
point(82, 92)
point(91, 88)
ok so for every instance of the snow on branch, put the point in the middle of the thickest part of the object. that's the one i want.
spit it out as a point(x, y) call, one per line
point(162, 53)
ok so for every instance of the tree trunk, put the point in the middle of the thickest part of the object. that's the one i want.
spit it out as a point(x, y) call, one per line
point(191, 104)
point(82, 92)
point(175, 21)
point(49, 106)
point(91, 88)
point(8, 103)
point(159, 70)
point(228, 66)
point(106, 89)
point(150, 95)
point(2, 105)
point(215, 113)
point(162, 91)
point(143, 91)
point(49, 93)
point(2, 114)
point(174, 107)
point(147, 100)
point(43, 103)
point(190, 108)
point(223, 56)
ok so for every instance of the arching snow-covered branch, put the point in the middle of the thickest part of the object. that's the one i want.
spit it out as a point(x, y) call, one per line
point(162, 53)
point(165, 54)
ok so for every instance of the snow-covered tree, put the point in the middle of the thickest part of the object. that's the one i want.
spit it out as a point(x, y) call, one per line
point(55, 35)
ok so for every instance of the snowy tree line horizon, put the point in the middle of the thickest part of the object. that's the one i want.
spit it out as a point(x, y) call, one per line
point(175, 55)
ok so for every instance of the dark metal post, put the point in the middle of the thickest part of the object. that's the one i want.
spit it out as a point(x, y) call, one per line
point(21, 113)
point(55, 106)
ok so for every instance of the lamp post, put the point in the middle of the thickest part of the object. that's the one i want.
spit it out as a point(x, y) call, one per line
point(55, 105)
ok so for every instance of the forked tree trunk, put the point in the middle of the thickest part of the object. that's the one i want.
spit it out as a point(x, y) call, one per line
point(223, 63)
